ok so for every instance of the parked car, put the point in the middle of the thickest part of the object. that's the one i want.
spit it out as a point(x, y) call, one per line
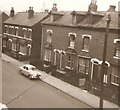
point(3, 107)
point(30, 71)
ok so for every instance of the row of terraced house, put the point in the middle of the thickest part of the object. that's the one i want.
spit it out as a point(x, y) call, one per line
point(68, 44)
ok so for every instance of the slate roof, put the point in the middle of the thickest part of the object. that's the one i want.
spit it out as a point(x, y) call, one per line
point(66, 19)
point(3, 17)
point(21, 18)
point(113, 22)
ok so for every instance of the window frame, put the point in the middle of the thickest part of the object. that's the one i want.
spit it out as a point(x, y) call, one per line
point(86, 46)
point(117, 49)
point(6, 29)
point(21, 52)
point(49, 35)
point(115, 76)
point(86, 65)
point(30, 33)
point(25, 32)
point(70, 62)
point(16, 30)
point(72, 40)
point(47, 54)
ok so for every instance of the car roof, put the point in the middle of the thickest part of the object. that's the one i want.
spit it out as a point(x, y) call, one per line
point(29, 65)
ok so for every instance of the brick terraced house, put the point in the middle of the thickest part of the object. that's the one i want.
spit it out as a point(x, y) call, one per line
point(22, 34)
point(3, 17)
point(72, 48)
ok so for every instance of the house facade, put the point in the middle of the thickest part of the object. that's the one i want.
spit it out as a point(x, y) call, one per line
point(3, 17)
point(72, 48)
point(22, 33)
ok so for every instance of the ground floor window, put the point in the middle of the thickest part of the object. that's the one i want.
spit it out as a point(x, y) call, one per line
point(4, 43)
point(29, 49)
point(115, 76)
point(10, 44)
point(14, 46)
point(47, 55)
point(83, 65)
point(70, 62)
point(23, 50)
point(59, 58)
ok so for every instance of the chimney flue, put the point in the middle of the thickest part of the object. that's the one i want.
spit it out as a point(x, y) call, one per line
point(111, 8)
point(93, 6)
point(54, 8)
point(12, 12)
point(30, 12)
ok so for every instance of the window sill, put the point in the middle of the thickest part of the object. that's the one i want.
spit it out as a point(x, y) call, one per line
point(22, 53)
point(116, 57)
point(71, 47)
point(69, 68)
point(85, 50)
point(114, 84)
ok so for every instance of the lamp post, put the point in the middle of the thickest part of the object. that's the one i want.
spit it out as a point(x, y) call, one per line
point(104, 59)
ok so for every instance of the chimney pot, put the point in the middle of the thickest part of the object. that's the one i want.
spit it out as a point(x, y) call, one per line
point(12, 12)
point(46, 10)
point(112, 8)
point(54, 8)
point(30, 12)
point(93, 6)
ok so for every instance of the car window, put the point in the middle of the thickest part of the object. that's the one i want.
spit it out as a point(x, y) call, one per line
point(33, 68)
point(26, 68)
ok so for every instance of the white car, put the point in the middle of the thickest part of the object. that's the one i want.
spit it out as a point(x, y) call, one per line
point(30, 71)
point(3, 107)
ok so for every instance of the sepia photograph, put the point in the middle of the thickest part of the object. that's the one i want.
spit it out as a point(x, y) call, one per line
point(60, 54)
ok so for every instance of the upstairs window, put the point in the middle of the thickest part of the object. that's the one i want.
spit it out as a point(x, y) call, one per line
point(72, 40)
point(29, 33)
point(24, 32)
point(117, 48)
point(11, 29)
point(6, 29)
point(16, 31)
point(86, 39)
point(49, 35)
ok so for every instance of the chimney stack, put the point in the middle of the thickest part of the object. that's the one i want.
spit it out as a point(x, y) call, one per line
point(93, 6)
point(111, 8)
point(30, 12)
point(12, 12)
point(54, 8)
point(46, 10)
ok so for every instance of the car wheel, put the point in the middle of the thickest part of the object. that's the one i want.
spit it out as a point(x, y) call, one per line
point(29, 77)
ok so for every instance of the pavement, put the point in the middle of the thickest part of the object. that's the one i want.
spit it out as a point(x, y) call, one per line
point(75, 92)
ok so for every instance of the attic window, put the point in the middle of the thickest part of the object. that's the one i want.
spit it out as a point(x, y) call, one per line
point(74, 17)
point(117, 48)
point(72, 40)
point(86, 39)
point(51, 17)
